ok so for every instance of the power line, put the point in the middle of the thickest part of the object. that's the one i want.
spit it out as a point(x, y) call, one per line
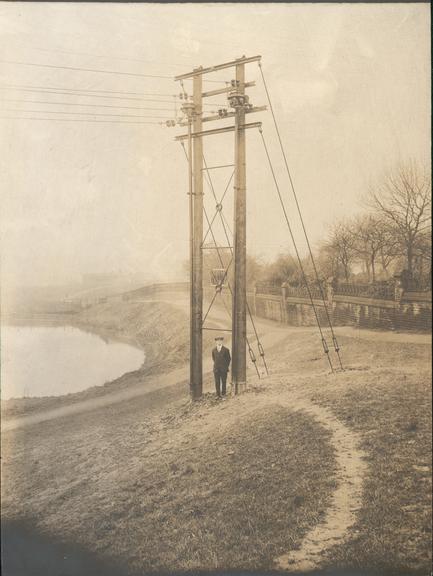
point(88, 105)
point(301, 267)
point(225, 227)
point(79, 69)
point(77, 120)
point(76, 68)
point(95, 96)
point(226, 269)
point(80, 113)
point(295, 196)
point(67, 93)
point(111, 57)
point(89, 90)
point(73, 53)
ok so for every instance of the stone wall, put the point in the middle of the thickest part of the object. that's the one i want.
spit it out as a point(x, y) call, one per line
point(407, 311)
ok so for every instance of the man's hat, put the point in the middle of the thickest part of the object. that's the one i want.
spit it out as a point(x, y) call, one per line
point(219, 338)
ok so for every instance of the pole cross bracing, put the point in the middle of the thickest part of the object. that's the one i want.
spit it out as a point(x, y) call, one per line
point(240, 106)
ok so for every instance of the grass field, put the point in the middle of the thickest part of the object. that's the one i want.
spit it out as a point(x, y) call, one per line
point(155, 483)
point(385, 396)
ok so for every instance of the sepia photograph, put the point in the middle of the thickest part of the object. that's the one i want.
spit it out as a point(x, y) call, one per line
point(216, 297)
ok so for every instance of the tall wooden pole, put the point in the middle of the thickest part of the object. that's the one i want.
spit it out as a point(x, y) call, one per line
point(191, 244)
point(239, 101)
point(196, 364)
point(239, 318)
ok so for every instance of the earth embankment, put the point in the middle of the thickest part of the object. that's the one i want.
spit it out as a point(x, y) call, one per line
point(159, 328)
point(308, 469)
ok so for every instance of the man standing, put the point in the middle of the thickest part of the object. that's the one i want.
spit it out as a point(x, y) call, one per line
point(221, 362)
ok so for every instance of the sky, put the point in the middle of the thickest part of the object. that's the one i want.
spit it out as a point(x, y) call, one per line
point(350, 86)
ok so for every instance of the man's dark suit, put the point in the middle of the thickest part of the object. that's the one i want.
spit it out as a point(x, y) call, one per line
point(221, 363)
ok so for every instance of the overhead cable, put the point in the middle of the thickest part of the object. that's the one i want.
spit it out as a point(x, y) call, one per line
point(301, 267)
point(231, 250)
point(111, 57)
point(295, 196)
point(221, 262)
point(77, 120)
point(78, 69)
point(80, 113)
point(86, 105)
point(89, 90)
point(228, 283)
point(67, 92)
point(218, 205)
point(63, 93)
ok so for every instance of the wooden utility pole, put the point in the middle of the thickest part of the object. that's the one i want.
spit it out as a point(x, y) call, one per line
point(196, 363)
point(188, 110)
point(239, 314)
point(193, 110)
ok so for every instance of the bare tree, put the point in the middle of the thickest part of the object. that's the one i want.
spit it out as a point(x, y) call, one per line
point(403, 200)
point(422, 260)
point(374, 243)
point(341, 248)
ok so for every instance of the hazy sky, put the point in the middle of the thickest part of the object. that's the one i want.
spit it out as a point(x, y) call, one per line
point(351, 91)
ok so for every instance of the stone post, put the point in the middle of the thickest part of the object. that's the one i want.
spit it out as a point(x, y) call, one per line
point(398, 294)
point(398, 288)
point(254, 300)
point(283, 303)
point(330, 292)
point(330, 297)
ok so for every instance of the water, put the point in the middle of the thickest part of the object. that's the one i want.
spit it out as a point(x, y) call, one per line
point(51, 361)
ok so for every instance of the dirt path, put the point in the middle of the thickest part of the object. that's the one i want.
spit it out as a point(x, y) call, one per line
point(272, 335)
point(350, 473)
point(346, 500)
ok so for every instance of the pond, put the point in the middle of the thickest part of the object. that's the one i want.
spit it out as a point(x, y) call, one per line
point(51, 361)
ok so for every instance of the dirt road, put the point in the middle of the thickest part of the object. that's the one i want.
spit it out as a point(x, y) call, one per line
point(270, 334)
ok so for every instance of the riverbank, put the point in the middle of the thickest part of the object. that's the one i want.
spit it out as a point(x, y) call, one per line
point(158, 328)
point(156, 483)
point(308, 468)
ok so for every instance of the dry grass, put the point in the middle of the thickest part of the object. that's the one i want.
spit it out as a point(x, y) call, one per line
point(385, 396)
point(212, 486)
point(392, 411)
point(217, 485)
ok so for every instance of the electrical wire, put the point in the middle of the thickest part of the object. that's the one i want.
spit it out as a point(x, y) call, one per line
point(250, 350)
point(221, 260)
point(87, 105)
point(79, 69)
point(75, 93)
point(228, 284)
point(231, 250)
point(81, 113)
point(219, 204)
point(110, 57)
point(295, 196)
point(95, 96)
point(88, 90)
point(77, 120)
point(171, 64)
point(301, 267)
point(226, 271)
